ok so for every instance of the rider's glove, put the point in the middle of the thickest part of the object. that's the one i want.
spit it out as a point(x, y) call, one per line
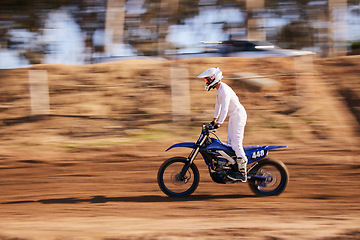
point(214, 125)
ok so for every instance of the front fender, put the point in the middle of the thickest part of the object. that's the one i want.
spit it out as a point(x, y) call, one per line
point(183, 144)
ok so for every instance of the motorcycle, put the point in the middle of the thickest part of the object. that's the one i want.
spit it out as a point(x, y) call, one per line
point(179, 176)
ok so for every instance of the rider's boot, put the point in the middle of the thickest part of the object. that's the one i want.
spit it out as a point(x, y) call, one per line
point(241, 174)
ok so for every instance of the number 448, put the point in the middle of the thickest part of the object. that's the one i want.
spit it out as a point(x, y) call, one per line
point(258, 154)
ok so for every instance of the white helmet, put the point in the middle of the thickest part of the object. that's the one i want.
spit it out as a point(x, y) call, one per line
point(212, 77)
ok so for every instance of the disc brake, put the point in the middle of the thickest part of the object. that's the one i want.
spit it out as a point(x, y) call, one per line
point(179, 179)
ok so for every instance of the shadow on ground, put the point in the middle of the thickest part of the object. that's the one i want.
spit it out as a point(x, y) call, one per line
point(146, 198)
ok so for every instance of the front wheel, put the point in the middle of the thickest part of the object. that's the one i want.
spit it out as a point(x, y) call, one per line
point(276, 175)
point(171, 183)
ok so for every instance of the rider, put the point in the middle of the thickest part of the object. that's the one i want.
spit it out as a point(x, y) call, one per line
point(227, 103)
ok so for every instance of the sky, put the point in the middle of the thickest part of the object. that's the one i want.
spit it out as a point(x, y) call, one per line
point(207, 26)
point(64, 38)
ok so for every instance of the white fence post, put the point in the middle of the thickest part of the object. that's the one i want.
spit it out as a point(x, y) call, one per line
point(180, 93)
point(39, 92)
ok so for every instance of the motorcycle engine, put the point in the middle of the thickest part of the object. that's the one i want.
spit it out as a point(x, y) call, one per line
point(218, 176)
point(218, 172)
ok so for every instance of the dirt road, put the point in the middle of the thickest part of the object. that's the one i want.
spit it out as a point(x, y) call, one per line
point(105, 193)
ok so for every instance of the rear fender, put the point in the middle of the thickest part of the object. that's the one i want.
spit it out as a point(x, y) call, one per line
point(260, 152)
point(183, 144)
point(274, 147)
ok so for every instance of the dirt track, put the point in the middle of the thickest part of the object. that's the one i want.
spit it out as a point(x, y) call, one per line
point(97, 193)
point(75, 177)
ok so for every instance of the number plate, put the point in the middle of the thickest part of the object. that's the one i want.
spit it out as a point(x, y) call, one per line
point(258, 154)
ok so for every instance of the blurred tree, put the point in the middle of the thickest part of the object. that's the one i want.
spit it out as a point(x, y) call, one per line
point(147, 30)
point(255, 21)
point(31, 15)
point(300, 14)
point(28, 15)
point(159, 15)
point(296, 35)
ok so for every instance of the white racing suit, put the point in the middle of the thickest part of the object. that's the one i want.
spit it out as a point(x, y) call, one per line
point(227, 103)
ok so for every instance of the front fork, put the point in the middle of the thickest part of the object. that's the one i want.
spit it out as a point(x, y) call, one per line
point(190, 160)
point(191, 157)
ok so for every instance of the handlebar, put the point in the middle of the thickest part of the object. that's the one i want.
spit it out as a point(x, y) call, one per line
point(210, 128)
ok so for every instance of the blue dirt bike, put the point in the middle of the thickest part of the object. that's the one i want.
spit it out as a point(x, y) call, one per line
point(179, 176)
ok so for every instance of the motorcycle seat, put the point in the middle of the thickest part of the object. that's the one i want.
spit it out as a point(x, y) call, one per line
point(247, 148)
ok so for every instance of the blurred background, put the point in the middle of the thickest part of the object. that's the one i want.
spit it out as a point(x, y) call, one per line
point(92, 93)
point(153, 36)
point(127, 69)
point(89, 31)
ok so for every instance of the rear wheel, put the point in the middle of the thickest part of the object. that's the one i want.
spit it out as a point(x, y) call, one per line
point(276, 174)
point(171, 183)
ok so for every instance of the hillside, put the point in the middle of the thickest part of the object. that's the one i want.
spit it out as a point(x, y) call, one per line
point(87, 170)
point(316, 99)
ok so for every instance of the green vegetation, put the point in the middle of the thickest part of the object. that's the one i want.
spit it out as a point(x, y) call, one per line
point(309, 120)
